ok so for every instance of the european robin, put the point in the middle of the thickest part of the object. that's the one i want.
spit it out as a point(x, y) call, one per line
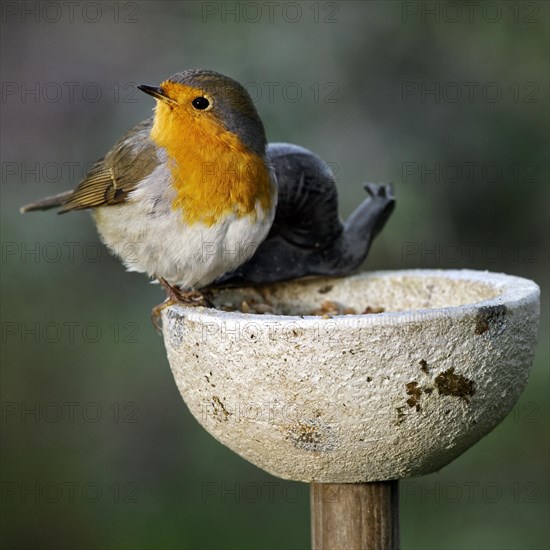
point(188, 194)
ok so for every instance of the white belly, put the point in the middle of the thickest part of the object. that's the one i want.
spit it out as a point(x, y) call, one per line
point(149, 237)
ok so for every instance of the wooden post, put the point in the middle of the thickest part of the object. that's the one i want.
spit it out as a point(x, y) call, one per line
point(355, 516)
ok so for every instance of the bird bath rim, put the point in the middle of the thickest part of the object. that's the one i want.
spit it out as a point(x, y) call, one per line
point(506, 289)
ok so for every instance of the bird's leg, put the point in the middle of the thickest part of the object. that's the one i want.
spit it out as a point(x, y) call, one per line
point(174, 296)
point(187, 297)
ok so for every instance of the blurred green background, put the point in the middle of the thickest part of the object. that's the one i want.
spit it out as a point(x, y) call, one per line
point(447, 100)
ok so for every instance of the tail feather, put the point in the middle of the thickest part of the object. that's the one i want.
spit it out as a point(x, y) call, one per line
point(47, 203)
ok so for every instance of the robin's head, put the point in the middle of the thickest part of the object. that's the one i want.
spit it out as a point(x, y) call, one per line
point(200, 103)
point(215, 145)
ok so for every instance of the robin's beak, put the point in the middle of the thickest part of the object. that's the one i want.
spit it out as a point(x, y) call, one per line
point(157, 93)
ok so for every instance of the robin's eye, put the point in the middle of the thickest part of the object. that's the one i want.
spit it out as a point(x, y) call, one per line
point(200, 103)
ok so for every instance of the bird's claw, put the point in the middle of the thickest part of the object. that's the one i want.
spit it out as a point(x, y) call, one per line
point(175, 296)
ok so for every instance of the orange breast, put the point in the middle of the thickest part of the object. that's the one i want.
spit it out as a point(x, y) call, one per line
point(212, 172)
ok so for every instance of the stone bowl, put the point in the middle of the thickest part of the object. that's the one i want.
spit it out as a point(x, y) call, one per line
point(438, 359)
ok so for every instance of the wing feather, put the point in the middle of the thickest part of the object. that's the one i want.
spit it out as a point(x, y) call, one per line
point(111, 179)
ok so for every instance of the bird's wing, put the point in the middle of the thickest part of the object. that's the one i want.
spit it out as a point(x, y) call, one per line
point(112, 178)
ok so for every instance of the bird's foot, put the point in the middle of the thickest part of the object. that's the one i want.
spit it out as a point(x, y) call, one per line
point(175, 296)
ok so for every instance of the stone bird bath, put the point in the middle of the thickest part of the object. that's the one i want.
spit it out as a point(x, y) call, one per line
point(359, 398)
